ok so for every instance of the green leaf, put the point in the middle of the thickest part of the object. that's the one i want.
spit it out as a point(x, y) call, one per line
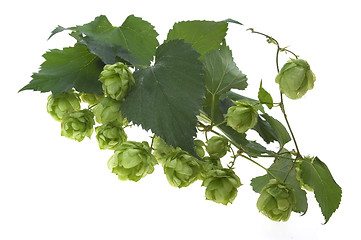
point(265, 130)
point(283, 168)
point(134, 41)
point(230, 20)
point(281, 132)
point(328, 193)
point(204, 36)
point(221, 72)
point(264, 97)
point(168, 96)
point(72, 67)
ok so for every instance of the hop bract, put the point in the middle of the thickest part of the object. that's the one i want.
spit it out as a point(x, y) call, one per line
point(91, 98)
point(276, 201)
point(241, 117)
point(110, 136)
point(116, 80)
point(221, 185)
point(77, 125)
point(209, 164)
point(107, 111)
point(132, 161)
point(217, 146)
point(295, 78)
point(181, 168)
point(62, 103)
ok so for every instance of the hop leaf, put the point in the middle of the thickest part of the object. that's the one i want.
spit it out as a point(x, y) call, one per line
point(110, 136)
point(181, 168)
point(295, 78)
point(276, 201)
point(116, 80)
point(221, 185)
point(108, 111)
point(62, 103)
point(217, 146)
point(132, 161)
point(241, 117)
point(77, 125)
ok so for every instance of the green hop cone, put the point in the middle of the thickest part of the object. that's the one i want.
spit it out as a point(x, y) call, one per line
point(299, 178)
point(107, 110)
point(198, 147)
point(132, 161)
point(116, 80)
point(110, 136)
point(241, 117)
point(209, 164)
point(217, 146)
point(62, 103)
point(295, 78)
point(77, 125)
point(221, 185)
point(276, 201)
point(90, 98)
point(181, 168)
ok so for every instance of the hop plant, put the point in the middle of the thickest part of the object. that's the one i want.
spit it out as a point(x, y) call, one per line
point(77, 125)
point(116, 80)
point(217, 146)
point(295, 78)
point(276, 201)
point(62, 103)
point(198, 147)
point(90, 98)
point(132, 161)
point(181, 168)
point(110, 136)
point(221, 185)
point(241, 117)
point(107, 111)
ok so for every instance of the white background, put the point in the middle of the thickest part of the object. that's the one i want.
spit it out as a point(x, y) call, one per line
point(55, 188)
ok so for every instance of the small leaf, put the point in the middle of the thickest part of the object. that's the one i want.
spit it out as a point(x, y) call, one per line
point(204, 36)
point(168, 96)
point(282, 134)
point(265, 130)
point(58, 29)
point(328, 193)
point(264, 97)
point(135, 41)
point(221, 72)
point(72, 67)
point(230, 20)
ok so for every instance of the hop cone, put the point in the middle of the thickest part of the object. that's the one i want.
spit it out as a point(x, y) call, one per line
point(209, 164)
point(132, 161)
point(181, 169)
point(198, 147)
point(62, 103)
point(217, 146)
point(241, 117)
point(90, 98)
point(107, 111)
point(77, 125)
point(221, 185)
point(276, 201)
point(116, 80)
point(295, 78)
point(110, 136)
point(161, 149)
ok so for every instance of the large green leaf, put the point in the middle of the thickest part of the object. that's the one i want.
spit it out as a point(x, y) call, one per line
point(221, 72)
point(328, 193)
point(134, 41)
point(283, 168)
point(168, 96)
point(204, 36)
point(73, 67)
